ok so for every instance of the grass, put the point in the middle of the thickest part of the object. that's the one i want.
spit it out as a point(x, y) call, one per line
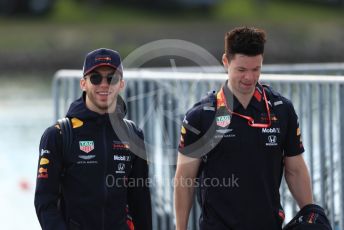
point(272, 11)
point(70, 12)
point(278, 12)
point(81, 24)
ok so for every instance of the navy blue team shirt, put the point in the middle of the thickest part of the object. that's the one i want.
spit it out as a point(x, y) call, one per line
point(244, 165)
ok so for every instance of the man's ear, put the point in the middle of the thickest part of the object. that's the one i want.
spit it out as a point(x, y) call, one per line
point(225, 61)
point(83, 84)
point(122, 84)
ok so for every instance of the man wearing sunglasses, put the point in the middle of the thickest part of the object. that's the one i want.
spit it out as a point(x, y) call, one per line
point(88, 188)
point(235, 145)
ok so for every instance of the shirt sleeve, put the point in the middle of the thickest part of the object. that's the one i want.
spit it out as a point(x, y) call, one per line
point(139, 199)
point(191, 143)
point(293, 142)
point(48, 181)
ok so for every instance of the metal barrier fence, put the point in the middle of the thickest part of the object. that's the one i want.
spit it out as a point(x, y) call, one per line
point(307, 68)
point(157, 102)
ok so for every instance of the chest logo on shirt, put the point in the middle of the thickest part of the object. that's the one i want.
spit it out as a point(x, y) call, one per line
point(272, 140)
point(86, 146)
point(121, 158)
point(223, 121)
point(120, 168)
point(118, 145)
point(270, 130)
point(224, 131)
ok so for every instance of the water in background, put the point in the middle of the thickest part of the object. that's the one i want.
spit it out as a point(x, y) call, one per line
point(26, 110)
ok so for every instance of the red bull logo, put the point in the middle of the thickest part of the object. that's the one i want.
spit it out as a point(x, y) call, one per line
point(43, 170)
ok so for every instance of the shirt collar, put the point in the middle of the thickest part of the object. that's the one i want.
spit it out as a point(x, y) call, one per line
point(231, 100)
point(257, 100)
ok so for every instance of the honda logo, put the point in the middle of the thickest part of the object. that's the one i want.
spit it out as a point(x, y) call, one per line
point(272, 139)
point(121, 166)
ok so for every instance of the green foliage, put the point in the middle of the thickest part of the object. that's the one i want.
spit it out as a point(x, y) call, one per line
point(81, 12)
point(75, 22)
point(233, 11)
point(277, 12)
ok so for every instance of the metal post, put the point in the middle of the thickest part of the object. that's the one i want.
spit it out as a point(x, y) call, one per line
point(149, 132)
point(310, 131)
point(332, 169)
point(289, 94)
point(56, 98)
point(341, 113)
point(65, 94)
point(76, 89)
point(321, 145)
point(163, 139)
point(140, 94)
point(170, 142)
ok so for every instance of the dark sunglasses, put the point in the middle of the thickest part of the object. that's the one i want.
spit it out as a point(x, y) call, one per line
point(112, 78)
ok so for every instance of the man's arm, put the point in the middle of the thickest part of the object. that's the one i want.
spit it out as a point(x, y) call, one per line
point(48, 182)
point(187, 169)
point(298, 180)
point(139, 199)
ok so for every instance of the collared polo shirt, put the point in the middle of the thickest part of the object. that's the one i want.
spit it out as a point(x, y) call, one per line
point(244, 165)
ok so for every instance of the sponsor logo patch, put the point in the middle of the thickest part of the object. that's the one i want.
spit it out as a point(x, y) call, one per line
point(103, 58)
point(223, 121)
point(77, 123)
point(120, 168)
point(272, 140)
point(86, 146)
point(87, 157)
point(86, 162)
point(43, 161)
point(120, 145)
point(44, 151)
point(42, 170)
point(43, 175)
point(264, 117)
point(270, 130)
point(224, 131)
point(278, 103)
point(121, 158)
point(183, 131)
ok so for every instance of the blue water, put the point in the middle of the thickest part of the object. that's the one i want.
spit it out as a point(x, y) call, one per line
point(25, 111)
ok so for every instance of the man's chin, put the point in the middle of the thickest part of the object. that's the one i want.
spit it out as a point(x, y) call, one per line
point(103, 105)
point(246, 91)
point(106, 107)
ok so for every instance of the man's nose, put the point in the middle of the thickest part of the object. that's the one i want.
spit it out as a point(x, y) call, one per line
point(104, 81)
point(249, 75)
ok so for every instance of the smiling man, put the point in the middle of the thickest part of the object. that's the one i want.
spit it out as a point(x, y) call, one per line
point(87, 188)
point(246, 133)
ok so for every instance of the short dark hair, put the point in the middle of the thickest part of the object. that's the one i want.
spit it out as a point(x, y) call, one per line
point(244, 40)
